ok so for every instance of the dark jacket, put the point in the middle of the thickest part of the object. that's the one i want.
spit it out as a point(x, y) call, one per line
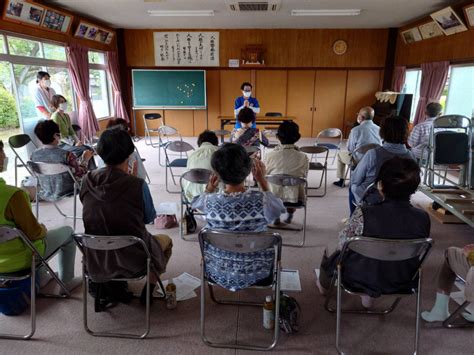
point(113, 205)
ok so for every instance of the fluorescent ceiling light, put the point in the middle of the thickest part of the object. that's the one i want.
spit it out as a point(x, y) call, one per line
point(181, 13)
point(345, 12)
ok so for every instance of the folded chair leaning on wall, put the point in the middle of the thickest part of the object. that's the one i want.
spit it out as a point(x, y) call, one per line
point(237, 261)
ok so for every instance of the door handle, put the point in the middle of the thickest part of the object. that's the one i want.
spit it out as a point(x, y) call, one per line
point(311, 109)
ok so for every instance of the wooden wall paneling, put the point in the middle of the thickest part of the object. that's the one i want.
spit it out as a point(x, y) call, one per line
point(230, 89)
point(300, 96)
point(361, 88)
point(182, 120)
point(140, 129)
point(200, 121)
point(271, 90)
point(329, 98)
point(213, 90)
point(140, 50)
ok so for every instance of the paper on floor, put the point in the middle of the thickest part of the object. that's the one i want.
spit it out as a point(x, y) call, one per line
point(290, 280)
point(185, 286)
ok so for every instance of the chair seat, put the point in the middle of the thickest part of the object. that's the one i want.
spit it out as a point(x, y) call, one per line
point(266, 282)
point(178, 163)
point(316, 166)
point(22, 274)
point(328, 145)
point(294, 204)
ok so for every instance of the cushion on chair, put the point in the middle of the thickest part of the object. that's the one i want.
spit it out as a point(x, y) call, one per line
point(178, 163)
point(316, 166)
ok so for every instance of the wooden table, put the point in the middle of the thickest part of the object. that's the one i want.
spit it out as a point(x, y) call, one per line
point(273, 121)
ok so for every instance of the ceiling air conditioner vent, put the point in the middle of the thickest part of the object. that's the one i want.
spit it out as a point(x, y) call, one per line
point(254, 6)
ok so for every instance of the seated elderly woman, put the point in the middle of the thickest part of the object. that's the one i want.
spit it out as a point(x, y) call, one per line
point(394, 218)
point(15, 211)
point(246, 135)
point(200, 159)
point(118, 203)
point(237, 208)
point(57, 185)
point(287, 159)
point(457, 261)
point(394, 133)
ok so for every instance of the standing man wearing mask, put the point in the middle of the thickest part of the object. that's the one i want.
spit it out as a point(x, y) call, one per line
point(43, 94)
point(246, 100)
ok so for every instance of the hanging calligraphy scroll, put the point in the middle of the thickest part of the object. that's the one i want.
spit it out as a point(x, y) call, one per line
point(192, 49)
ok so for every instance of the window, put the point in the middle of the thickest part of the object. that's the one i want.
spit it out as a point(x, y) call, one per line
point(96, 57)
point(24, 47)
point(412, 86)
point(99, 85)
point(54, 52)
point(2, 45)
point(460, 91)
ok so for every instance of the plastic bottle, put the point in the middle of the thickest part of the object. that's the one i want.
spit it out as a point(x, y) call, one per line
point(170, 290)
point(268, 313)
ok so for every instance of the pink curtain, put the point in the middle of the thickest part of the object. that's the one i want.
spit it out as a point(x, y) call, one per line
point(114, 73)
point(398, 78)
point(433, 80)
point(78, 67)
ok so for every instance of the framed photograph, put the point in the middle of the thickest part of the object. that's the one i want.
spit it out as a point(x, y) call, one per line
point(412, 35)
point(22, 11)
point(14, 9)
point(56, 21)
point(92, 32)
point(448, 21)
point(102, 36)
point(110, 36)
point(430, 30)
point(81, 30)
point(469, 13)
point(35, 14)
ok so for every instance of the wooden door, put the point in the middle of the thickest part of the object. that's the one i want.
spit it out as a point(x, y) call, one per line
point(329, 97)
point(270, 90)
point(182, 120)
point(300, 95)
point(231, 80)
point(361, 88)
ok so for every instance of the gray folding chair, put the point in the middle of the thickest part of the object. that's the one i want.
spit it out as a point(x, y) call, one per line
point(44, 170)
point(273, 114)
point(193, 176)
point(165, 133)
point(257, 256)
point(17, 142)
point(149, 121)
point(7, 234)
point(221, 133)
point(314, 151)
point(292, 181)
point(361, 152)
point(455, 320)
point(143, 161)
point(332, 134)
point(176, 147)
point(94, 243)
point(383, 250)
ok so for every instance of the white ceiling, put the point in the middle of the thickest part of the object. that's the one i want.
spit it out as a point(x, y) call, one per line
point(133, 13)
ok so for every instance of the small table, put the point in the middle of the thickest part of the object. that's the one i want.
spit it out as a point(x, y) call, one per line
point(273, 121)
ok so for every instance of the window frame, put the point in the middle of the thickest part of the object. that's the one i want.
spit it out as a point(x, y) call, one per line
point(416, 95)
point(96, 66)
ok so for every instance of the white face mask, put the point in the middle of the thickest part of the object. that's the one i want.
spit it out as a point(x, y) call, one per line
point(5, 165)
point(63, 106)
point(247, 93)
point(47, 83)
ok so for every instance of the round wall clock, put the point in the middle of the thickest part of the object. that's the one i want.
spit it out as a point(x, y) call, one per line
point(339, 47)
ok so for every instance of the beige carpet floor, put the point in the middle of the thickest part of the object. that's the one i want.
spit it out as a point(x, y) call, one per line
point(60, 322)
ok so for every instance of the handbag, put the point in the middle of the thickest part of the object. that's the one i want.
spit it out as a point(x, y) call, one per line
point(166, 221)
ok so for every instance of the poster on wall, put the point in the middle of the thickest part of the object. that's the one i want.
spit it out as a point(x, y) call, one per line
point(469, 13)
point(412, 35)
point(24, 11)
point(430, 30)
point(56, 20)
point(193, 49)
point(448, 21)
point(93, 33)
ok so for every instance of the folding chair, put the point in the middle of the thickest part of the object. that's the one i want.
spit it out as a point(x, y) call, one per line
point(323, 167)
point(221, 133)
point(45, 170)
point(193, 176)
point(292, 181)
point(164, 135)
point(92, 243)
point(330, 133)
point(273, 114)
point(383, 250)
point(148, 121)
point(361, 152)
point(177, 147)
point(143, 161)
point(454, 320)
point(450, 143)
point(16, 142)
point(237, 261)
point(8, 233)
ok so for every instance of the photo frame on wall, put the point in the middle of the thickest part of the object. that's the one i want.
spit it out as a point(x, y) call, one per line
point(411, 35)
point(469, 14)
point(23, 11)
point(56, 21)
point(430, 30)
point(448, 21)
point(94, 33)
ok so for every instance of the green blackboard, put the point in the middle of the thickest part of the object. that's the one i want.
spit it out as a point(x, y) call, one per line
point(179, 89)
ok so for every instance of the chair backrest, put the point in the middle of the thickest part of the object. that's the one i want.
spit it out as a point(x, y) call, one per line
point(286, 180)
point(330, 133)
point(221, 132)
point(19, 141)
point(178, 146)
point(152, 116)
point(365, 148)
point(48, 169)
point(452, 121)
point(310, 149)
point(197, 176)
point(273, 114)
point(8, 233)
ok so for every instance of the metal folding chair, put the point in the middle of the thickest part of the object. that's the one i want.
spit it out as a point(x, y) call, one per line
point(313, 151)
point(388, 250)
point(454, 320)
point(92, 243)
point(17, 142)
point(143, 161)
point(176, 147)
point(41, 170)
point(165, 133)
point(292, 181)
point(273, 114)
point(193, 176)
point(359, 151)
point(149, 120)
point(221, 133)
point(330, 133)
point(240, 251)
point(450, 143)
point(8, 233)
